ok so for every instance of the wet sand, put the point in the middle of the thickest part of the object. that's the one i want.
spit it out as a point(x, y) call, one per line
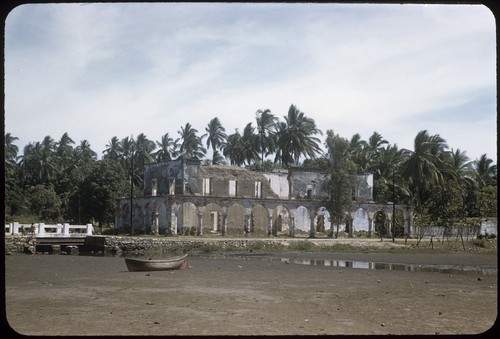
point(85, 295)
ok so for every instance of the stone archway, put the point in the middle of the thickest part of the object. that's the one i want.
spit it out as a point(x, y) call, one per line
point(189, 218)
point(361, 221)
point(380, 223)
point(236, 220)
point(259, 221)
point(137, 219)
point(302, 221)
point(212, 219)
point(160, 216)
point(280, 224)
point(322, 223)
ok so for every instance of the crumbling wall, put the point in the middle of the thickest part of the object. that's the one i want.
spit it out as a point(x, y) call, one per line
point(245, 181)
point(163, 173)
point(278, 183)
point(307, 184)
point(364, 187)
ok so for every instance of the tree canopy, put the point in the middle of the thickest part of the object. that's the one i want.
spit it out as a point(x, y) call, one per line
point(439, 182)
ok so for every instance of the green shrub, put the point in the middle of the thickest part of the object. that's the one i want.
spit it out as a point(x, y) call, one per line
point(301, 245)
point(256, 245)
point(479, 242)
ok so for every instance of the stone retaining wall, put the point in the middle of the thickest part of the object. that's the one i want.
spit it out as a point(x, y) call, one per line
point(116, 245)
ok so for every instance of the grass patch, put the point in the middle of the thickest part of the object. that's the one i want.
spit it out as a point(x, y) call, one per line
point(301, 245)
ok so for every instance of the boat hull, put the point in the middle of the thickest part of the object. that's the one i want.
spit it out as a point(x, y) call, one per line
point(175, 263)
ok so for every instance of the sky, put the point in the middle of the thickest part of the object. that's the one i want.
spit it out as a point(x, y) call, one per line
point(99, 70)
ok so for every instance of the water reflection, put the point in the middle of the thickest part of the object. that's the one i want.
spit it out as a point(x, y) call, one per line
point(454, 269)
point(392, 266)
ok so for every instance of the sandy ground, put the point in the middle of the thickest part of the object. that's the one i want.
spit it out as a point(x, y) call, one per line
point(85, 295)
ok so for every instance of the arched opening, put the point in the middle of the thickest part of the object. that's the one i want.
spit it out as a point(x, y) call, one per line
point(161, 218)
point(281, 221)
point(189, 219)
point(399, 227)
point(236, 220)
point(259, 221)
point(361, 222)
point(212, 219)
point(302, 225)
point(380, 223)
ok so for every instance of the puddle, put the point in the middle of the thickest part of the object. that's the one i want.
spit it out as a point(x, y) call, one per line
point(451, 269)
point(393, 266)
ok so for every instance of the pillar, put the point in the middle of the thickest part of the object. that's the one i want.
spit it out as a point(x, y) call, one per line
point(65, 229)
point(292, 225)
point(224, 223)
point(247, 227)
point(200, 223)
point(270, 223)
point(41, 229)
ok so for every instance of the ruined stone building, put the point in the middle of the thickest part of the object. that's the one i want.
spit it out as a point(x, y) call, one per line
point(185, 197)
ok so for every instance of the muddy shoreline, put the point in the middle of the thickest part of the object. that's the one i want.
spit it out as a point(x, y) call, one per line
point(91, 295)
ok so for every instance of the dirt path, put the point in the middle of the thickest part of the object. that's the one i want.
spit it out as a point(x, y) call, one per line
point(83, 295)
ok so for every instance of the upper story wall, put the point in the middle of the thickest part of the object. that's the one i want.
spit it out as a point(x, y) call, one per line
point(364, 188)
point(190, 177)
point(306, 184)
point(168, 177)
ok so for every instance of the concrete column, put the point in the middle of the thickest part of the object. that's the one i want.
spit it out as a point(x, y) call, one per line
point(200, 223)
point(14, 228)
point(292, 225)
point(173, 223)
point(370, 227)
point(90, 229)
point(313, 229)
point(65, 229)
point(224, 223)
point(41, 229)
point(270, 225)
point(247, 223)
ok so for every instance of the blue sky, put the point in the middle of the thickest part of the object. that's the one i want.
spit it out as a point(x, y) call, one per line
point(100, 70)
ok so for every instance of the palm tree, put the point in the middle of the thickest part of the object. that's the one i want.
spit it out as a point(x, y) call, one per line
point(64, 151)
point(190, 146)
point(357, 152)
point(422, 168)
point(113, 149)
point(216, 137)
point(375, 144)
point(127, 149)
point(485, 174)
point(144, 150)
point(232, 149)
point(38, 162)
point(84, 153)
point(295, 137)
point(266, 125)
point(166, 149)
point(11, 151)
point(250, 144)
point(387, 177)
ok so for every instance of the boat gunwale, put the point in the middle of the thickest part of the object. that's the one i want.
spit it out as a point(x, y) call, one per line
point(158, 261)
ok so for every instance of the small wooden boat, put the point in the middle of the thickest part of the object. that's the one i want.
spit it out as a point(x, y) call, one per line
point(173, 263)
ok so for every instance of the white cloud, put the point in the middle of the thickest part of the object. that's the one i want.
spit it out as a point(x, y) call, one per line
point(103, 70)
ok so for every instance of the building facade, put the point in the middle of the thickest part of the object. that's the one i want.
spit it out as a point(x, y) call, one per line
point(185, 197)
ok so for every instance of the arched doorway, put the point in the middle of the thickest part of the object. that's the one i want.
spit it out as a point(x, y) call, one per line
point(189, 219)
point(380, 223)
point(236, 220)
point(302, 225)
point(259, 221)
point(212, 219)
point(280, 221)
